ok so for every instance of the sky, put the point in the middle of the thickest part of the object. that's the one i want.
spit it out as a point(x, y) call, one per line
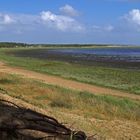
point(70, 21)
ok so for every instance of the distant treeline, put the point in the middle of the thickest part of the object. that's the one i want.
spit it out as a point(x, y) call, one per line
point(12, 45)
point(15, 45)
point(70, 45)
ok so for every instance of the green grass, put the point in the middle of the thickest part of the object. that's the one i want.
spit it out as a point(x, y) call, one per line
point(70, 101)
point(122, 79)
point(107, 116)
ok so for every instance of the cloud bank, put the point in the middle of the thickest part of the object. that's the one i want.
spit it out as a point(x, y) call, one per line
point(64, 21)
point(65, 27)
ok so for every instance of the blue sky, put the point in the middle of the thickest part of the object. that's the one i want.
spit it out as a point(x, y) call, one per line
point(70, 21)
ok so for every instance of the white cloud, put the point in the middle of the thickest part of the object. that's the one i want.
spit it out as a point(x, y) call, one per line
point(60, 22)
point(18, 23)
point(107, 28)
point(69, 10)
point(5, 19)
point(27, 22)
point(133, 16)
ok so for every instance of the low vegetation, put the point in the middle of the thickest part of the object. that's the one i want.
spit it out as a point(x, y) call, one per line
point(88, 104)
point(109, 116)
point(87, 110)
point(122, 79)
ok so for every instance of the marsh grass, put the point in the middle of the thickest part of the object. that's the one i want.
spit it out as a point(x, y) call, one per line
point(71, 101)
point(122, 79)
point(6, 81)
point(61, 103)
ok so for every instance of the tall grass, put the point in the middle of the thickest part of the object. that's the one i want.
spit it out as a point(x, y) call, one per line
point(70, 101)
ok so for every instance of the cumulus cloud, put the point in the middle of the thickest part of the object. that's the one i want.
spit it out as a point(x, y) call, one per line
point(47, 21)
point(27, 22)
point(133, 16)
point(60, 22)
point(5, 19)
point(107, 28)
point(69, 10)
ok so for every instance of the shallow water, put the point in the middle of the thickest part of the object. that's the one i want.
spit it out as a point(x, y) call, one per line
point(126, 54)
point(114, 57)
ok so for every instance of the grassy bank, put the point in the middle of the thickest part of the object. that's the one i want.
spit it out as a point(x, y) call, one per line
point(89, 105)
point(122, 79)
point(107, 116)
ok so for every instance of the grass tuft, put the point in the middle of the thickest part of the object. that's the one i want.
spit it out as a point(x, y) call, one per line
point(6, 81)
